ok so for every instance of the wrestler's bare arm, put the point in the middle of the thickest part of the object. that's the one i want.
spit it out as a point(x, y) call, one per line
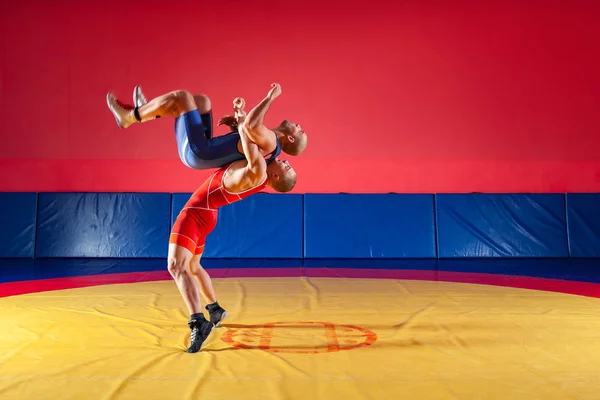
point(254, 172)
point(257, 131)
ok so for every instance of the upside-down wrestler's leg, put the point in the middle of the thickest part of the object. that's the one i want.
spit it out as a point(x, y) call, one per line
point(172, 104)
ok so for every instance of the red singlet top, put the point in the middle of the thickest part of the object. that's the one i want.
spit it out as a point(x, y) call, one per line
point(212, 194)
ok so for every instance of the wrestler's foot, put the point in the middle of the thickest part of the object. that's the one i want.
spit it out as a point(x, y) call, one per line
point(201, 329)
point(123, 113)
point(138, 97)
point(217, 315)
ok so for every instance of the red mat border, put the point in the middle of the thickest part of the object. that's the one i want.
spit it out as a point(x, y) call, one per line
point(587, 289)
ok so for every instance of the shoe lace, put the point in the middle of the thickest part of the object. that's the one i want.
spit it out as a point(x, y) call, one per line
point(123, 106)
point(195, 333)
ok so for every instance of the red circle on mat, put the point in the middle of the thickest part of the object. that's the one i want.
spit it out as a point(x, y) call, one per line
point(335, 337)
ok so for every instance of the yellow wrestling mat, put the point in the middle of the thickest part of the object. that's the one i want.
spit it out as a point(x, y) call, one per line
point(301, 338)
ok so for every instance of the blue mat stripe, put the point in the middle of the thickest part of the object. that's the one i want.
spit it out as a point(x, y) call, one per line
point(319, 226)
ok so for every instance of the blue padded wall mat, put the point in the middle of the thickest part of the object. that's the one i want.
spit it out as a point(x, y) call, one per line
point(501, 225)
point(369, 226)
point(109, 225)
point(17, 222)
point(583, 224)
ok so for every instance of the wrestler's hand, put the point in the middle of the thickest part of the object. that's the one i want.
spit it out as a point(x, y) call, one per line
point(239, 103)
point(238, 108)
point(240, 115)
point(275, 92)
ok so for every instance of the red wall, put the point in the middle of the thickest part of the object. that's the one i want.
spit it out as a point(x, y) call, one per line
point(404, 96)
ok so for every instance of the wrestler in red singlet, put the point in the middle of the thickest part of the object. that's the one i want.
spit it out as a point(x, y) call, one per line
point(199, 215)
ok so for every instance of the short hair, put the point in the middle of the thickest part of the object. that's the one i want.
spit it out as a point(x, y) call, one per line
point(285, 183)
point(295, 148)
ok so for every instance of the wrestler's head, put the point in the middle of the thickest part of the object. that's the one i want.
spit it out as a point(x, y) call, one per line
point(292, 138)
point(282, 176)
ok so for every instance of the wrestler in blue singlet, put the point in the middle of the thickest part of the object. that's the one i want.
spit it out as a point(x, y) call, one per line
point(199, 150)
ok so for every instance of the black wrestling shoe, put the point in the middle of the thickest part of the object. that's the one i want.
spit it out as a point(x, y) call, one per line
point(138, 97)
point(201, 330)
point(217, 316)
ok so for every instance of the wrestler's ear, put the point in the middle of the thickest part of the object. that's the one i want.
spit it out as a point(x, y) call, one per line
point(273, 175)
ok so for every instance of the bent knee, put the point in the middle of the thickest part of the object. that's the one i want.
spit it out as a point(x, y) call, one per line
point(183, 97)
point(196, 269)
point(179, 102)
point(203, 103)
point(176, 266)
